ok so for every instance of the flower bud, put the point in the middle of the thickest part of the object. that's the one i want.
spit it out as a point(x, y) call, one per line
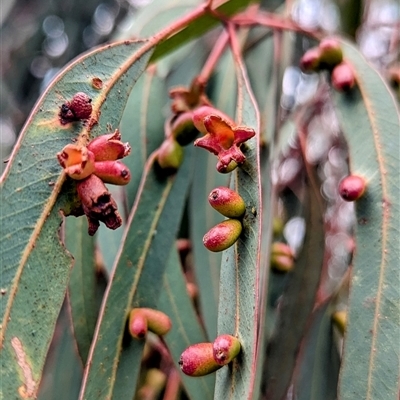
point(109, 147)
point(114, 172)
point(282, 257)
point(225, 349)
point(340, 320)
point(137, 324)
point(77, 161)
point(352, 188)
point(199, 114)
point(343, 78)
point(227, 202)
point(198, 360)
point(310, 60)
point(157, 321)
point(331, 53)
point(223, 235)
point(143, 319)
point(170, 155)
point(183, 130)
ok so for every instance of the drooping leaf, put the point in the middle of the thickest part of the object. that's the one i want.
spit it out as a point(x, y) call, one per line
point(66, 374)
point(299, 297)
point(85, 283)
point(30, 251)
point(135, 281)
point(186, 330)
point(317, 372)
point(370, 121)
point(238, 310)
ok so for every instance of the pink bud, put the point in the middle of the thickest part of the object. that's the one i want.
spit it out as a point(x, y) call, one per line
point(227, 202)
point(352, 188)
point(225, 349)
point(223, 235)
point(198, 360)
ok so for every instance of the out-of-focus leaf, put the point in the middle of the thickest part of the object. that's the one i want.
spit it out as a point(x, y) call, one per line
point(317, 372)
point(238, 310)
point(186, 329)
point(135, 281)
point(370, 121)
point(83, 285)
point(143, 124)
point(198, 27)
point(30, 251)
point(299, 297)
point(62, 378)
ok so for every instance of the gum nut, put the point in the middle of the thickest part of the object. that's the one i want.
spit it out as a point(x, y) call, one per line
point(225, 349)
point(198, 360)
point(223, 235)
point(331, 53)
point(170, 155)
point(227, 202)
point(183, 130)
point(352, 188)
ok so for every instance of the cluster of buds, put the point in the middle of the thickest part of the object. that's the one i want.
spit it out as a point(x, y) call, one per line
point(352, 187)
point(231, 205)
point(282, 257)
point(329, 56)
point(193, 114)
point(142, 320)
point(79, 108)
point(204, 358)
point(92, 166)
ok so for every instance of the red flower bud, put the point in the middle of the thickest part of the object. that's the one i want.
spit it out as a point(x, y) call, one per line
point(282, 257)
point(109, 147)
point(143, 319)
point(343, 78)
point(77, 161)
point(114, 172)
point(223, 235)
point(331, 53)
point(225, 349)
point(227, 202)
point(310, 60)
point(198, 360)
point(97, 204)
point(137, 324)
point(170, 155)
point(352, 188)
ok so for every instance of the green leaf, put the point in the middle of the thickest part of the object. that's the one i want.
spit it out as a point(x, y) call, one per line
point(317, 372)
point(370, 121)
point(186, 329)
point(238, 311)
point(84, 285)
point(66, 374)
point(135, 281)
point(143, 124)
point(35, 268)
point(299, 297)
point(198, 27)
